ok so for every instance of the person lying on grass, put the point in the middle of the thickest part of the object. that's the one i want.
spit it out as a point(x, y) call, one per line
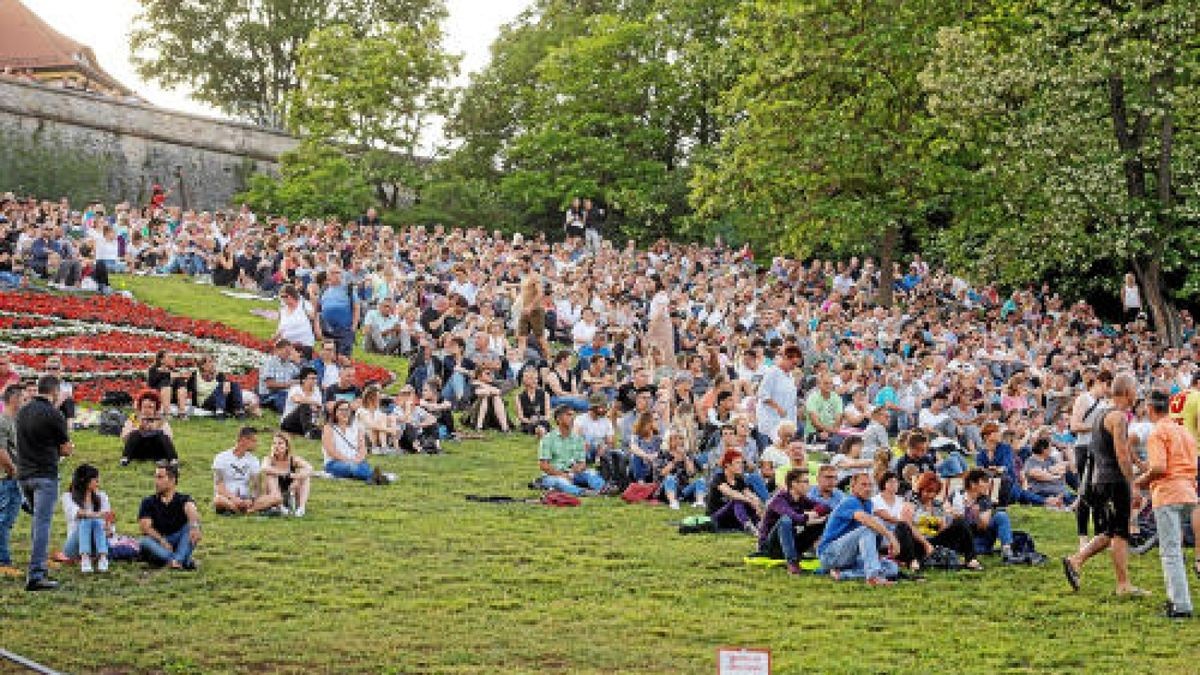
point(236, 478)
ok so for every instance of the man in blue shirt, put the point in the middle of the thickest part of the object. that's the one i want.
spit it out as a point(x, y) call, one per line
point(849, 548)
point(339, 312)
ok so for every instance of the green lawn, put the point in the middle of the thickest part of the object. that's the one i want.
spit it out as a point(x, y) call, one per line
point(411, 578)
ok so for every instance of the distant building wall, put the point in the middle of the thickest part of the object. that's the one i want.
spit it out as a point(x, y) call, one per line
point(139, 145)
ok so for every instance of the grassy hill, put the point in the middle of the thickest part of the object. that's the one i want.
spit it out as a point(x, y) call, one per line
point(412, 578)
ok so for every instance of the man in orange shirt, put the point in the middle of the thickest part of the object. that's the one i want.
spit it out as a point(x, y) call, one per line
point(1171, 455)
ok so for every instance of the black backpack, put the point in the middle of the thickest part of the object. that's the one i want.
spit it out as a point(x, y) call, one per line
point(111, 422)
point(1023, 547)
point(943, 558)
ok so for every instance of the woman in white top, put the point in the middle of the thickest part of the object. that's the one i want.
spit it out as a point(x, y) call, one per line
point(888, 506)
point(1131, 298)
point(297, 321)
point(379, 427)
point(344, 448)
point(660, 332)
point(88, 515)
point(108, 249)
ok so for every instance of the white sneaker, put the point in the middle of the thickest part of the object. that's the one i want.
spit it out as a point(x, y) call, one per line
point(299, 513)
point(699, 503)
point(102, 564)
point(85, 565)
point(674, 506)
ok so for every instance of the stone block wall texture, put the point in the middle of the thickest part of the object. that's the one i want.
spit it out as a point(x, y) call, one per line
point(141, 145)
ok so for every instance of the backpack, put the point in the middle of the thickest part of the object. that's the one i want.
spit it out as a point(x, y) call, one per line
point(111, 422)
point(556, 498)
point(1024, 547)
point(943, 558)
point(613, 467)
point(697, 525)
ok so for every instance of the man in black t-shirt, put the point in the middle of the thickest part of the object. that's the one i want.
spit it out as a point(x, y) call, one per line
point(170, 522)
point(42, 438)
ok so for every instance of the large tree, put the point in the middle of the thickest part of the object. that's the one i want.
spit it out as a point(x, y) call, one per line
point(240, 56)
point(374, 95)
point(1080, 120)
point(829, 147)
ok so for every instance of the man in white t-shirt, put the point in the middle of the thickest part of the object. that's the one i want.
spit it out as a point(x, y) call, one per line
point(236, 478)
point(596, 428)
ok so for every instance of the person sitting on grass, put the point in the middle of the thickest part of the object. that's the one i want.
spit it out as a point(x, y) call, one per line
point(236, 478)
point(147, 435)
point(563, 460)
point(1046, 476)
point(644, 448)
point(533, 405)
point(896, 513)
point(826, 491)
point(987, 522)
point(417, 426)
point(938, 525)
point(680, 473)
point(216, 392)
point(344, 448)
point(382, 435)
point(88, 513)
point(788, 509)
point(849, 460)
point(176, 384)
point(488, 407)
point(170, 522)
point(776, 459)
point(287, 476)
point(278, 374)
point(731, 503)
point(849, 547)
point(302, 411)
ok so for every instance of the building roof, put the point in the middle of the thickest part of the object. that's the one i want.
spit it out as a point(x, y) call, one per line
point(29, 43)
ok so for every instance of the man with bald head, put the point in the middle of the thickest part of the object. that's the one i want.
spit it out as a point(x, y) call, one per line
point(1112, 497)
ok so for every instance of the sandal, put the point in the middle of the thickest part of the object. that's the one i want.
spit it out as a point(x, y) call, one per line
point(1071, 573)
point(1133, 592)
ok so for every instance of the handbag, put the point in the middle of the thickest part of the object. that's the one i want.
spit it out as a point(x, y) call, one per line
point(640, 492)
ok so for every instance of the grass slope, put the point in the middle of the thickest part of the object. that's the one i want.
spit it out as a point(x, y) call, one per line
point(411, 578)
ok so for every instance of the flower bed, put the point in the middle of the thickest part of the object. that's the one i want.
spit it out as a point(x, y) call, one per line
point(107, 343)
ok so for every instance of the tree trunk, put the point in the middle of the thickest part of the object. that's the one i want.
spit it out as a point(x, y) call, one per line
point(887, 254)
point(1148, 271)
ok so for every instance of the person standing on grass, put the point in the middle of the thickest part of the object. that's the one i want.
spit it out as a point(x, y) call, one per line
point(777, 393)
point(849, 547)
point(1171, 478)
point(10, 489)
point(236, 478)
point(170, 522)
point(1113, 498)
point(42, 439)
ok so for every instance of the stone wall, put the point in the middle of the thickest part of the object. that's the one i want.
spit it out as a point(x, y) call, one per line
point(203, 161)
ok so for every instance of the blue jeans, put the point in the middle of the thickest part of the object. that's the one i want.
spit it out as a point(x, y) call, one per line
point(10, 508)
point(640, 469)
point(756, 482)
point(1000, 528)
point(954, 465)
point(218, 401)
point(1170, 519)
point(42, 493)
point(692, 490)
point(87, 539)
point(356, 470)
point(455, 389)
point(181, 545)
point(576, 403)
point(10, 279)
point(275, 400)
point(856, 556)
point(587, 479)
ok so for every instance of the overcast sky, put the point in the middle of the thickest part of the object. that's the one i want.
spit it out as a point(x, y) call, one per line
point(104, 25)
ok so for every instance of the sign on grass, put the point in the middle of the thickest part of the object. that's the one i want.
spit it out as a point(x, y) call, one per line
point(741, 661)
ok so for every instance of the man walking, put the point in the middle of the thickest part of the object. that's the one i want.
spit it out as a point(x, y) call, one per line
point(1171, 478)
point(1113, 499)
point(42, 438)
point(10, 490)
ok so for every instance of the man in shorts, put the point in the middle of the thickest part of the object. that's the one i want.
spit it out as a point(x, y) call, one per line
point(1112, 497)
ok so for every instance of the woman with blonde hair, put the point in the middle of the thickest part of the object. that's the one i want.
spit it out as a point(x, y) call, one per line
point(287, 476)
point(378, 427)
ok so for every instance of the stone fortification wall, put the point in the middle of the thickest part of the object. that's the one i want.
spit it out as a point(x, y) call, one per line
point(204, 161)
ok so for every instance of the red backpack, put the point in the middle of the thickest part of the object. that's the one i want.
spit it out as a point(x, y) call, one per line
point(556, 498)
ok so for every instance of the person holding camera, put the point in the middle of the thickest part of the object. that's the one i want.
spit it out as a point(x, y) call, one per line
point(147, 435)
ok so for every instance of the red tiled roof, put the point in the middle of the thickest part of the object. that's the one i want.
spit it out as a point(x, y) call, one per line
point(27, 42)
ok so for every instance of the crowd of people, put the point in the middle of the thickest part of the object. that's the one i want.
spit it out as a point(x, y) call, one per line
point(727, 384)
